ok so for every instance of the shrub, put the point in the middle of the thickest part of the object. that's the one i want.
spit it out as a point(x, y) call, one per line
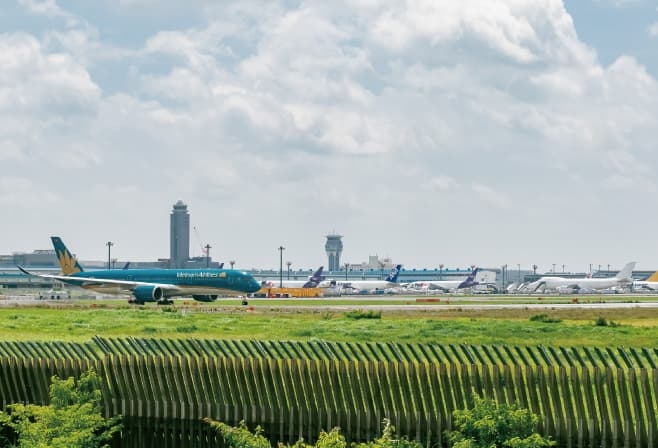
point(388, 440)
point(603, 322)
point(72, 420)
point(489, 425)
point(360, 314)
point(545, 318)
point(240, 436)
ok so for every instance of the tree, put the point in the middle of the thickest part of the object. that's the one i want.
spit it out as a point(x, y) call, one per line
point(490, 425)
point(241, 437)
point(72, 420)
point(388, 440)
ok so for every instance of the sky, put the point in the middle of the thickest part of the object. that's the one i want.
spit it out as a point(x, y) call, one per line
point(479, 132)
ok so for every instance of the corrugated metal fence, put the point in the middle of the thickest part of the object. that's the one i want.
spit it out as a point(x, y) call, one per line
point(163, 388)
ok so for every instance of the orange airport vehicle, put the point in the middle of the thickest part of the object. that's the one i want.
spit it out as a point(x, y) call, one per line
point(270, 292)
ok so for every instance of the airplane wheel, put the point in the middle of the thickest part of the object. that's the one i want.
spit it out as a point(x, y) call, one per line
point(245, 303)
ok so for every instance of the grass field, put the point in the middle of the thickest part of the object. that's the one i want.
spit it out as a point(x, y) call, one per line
point(290, 320)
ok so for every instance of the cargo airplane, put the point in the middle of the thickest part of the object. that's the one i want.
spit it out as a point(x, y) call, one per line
point(650, 283)
point(476, 277)
point(152, 285)
point(312, 282)
point(623, 278)
point(390, 281)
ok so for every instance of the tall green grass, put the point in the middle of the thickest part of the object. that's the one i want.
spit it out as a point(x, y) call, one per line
point(632, 328)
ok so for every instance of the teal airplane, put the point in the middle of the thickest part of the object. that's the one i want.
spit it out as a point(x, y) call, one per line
point(152, 285)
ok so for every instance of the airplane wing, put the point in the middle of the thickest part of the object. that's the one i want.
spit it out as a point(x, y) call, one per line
point(99, 282)
point(438, 287)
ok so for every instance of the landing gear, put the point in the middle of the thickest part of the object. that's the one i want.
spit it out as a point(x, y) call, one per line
point(245, 302)
point(165, 302)
point(135, 302)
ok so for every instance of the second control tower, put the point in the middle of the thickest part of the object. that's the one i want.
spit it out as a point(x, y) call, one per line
point(334, 248)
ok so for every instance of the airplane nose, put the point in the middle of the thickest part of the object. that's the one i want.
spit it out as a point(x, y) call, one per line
point(254, 285)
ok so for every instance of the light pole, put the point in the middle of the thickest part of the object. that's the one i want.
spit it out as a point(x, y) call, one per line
point(347, 265)
point(553, 268)
point(281, 249)
point(207, 248)
point(534, 269)
point(608, 269)
point(441, 272)
point(518, 265)
point(288, 263)
point(504, 270)
point(232, 263)
point(109, 251)
point(563, 268)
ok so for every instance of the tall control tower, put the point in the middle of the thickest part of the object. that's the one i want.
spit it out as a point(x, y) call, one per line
point(334, 248)
point(179, 234)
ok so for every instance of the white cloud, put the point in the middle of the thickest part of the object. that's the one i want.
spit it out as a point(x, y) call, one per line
point(50, 9)
point(328, 115)
point(22, 193)
point(46, 7)
point(442, 183)
point(653, 30)
point(491, 197)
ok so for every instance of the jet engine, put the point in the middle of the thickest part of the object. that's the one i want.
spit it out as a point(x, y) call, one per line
point(205, 298)
point(147, 293)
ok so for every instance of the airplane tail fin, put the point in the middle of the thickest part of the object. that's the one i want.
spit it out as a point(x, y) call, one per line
point(627, 272)
point(653, 277)
point(315, 279)
point(67, 262)
point(470, 280)
point(393, 276)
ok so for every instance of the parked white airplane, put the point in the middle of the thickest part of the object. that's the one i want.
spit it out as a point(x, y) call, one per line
point(476, 277)
point(312, 282)
point(364, 285)
point(623, 278)
point(650, 283)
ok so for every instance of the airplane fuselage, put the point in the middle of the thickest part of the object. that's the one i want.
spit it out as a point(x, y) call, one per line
point(443, 285)
point(363, 285)
point(284, 283)
point(653, 286)
point(581, 283)
point(173, 282)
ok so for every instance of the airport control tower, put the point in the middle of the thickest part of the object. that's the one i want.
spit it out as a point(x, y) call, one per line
point(334, 248)
point(179, 234)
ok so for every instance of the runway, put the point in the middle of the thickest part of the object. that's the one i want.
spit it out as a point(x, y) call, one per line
point(394, 303)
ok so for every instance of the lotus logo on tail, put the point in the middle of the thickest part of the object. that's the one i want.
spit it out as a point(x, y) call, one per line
point(67, 262)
